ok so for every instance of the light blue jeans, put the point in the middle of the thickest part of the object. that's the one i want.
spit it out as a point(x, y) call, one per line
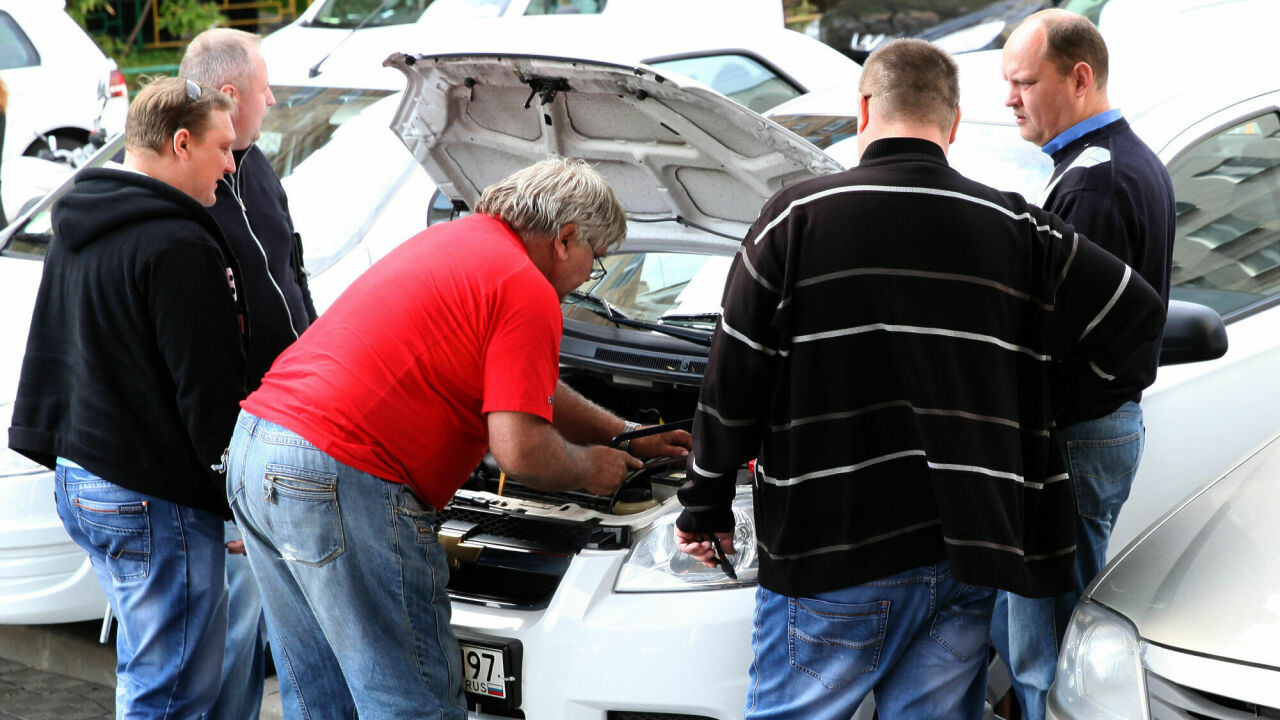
point(353, 581)
point(161, 567)
point(244, 662)
point(1102, 456)
point(917, 640)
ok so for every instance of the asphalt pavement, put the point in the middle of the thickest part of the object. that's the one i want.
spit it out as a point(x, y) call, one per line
point(61, 672)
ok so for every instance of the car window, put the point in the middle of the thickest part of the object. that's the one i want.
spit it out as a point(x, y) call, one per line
point(742, 79)
point(304, 118)
point(560, 7)
point(822, 131)
point(369, 13)
point(1227, 250)
point(16, 50)
point(675, 288)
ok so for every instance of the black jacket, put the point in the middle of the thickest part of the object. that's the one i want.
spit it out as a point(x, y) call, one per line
point(253, 212)
point(1112, 188)
point(134, 365)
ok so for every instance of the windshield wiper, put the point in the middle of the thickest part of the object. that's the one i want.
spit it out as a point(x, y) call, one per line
point(606, 310)
point(705, 317)
point(314, 70)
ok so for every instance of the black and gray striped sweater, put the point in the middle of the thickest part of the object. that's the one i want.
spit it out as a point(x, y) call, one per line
point(886, 352)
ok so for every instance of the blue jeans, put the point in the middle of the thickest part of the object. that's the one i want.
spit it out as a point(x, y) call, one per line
point(161, 567)
point(1102, 456)
point(244, 662)
point(353, 581)
point(817, 658)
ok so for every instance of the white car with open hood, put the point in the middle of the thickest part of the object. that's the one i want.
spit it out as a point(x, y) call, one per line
point(570, 605)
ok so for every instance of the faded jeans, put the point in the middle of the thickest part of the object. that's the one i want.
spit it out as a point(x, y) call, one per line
point(353, 581)
point(161, 567)
point(1102, 457)
point(817, 658)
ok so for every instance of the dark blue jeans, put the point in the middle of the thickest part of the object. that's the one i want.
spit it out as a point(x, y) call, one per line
point(917, 640)
point(161, 567)
point(1102, 456)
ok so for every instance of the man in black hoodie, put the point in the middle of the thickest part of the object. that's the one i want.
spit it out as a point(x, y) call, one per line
point(133, 373)
point(253, 212)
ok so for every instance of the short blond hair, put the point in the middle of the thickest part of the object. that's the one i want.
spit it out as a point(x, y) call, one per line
point(165, 106)
point(911, 80)
point(544, 197)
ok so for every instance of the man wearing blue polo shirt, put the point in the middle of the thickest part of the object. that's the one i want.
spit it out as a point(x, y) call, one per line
point(1115, 191)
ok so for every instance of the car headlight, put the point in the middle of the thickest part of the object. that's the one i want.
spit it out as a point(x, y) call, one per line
point(655, 565)
point(1100, 668)
point(11, 463)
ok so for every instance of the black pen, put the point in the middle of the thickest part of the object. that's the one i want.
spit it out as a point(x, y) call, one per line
point(721, 559)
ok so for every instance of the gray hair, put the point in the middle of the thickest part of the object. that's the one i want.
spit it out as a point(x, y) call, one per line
point(220, 56)
point(542, 198)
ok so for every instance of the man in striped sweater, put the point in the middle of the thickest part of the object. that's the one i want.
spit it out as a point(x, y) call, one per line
point(887, 352)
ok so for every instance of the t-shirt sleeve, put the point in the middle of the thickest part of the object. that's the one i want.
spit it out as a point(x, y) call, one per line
point(522, 354)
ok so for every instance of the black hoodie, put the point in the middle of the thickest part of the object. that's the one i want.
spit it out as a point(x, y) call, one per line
point(134, 365)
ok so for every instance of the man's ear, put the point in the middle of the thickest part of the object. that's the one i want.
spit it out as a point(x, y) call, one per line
point(864, 112)
point(568, 233)
point(181, 143)
point(1082, 78)
point(230, 91)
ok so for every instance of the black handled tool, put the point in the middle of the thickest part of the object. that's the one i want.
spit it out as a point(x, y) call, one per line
point(652, 430)
point(721, 559)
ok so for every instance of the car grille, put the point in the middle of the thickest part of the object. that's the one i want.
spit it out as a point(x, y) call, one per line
point(1171, 701)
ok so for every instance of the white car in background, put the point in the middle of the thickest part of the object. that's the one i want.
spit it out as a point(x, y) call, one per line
point(61, 88)
point(367, 31)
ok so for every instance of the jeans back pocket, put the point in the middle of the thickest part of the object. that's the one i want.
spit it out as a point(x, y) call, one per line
point(835, 642)
point(121, 530)
point(304, 514)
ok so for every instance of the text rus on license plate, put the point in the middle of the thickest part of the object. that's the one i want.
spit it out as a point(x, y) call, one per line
point(484, 671)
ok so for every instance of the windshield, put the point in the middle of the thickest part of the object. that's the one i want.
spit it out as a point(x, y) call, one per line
point(672, 288)
point(350, 14)
point(995, 154)
point(339, 162)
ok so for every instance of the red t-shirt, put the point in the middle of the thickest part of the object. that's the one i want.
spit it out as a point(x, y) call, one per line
point(395, 377)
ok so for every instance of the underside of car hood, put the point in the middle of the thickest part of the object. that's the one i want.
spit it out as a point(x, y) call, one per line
point(669, 147)
point(1205, 580)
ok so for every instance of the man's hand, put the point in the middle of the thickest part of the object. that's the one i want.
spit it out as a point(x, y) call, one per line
point(698, 546)
point(236, 547)
point(609, 468)
point(675, 444)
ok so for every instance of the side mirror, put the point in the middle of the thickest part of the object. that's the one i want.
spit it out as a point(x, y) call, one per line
point(1192, 333)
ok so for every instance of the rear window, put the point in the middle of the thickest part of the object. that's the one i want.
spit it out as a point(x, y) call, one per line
point(16, 50)
point(565, 7)
point(351, 14)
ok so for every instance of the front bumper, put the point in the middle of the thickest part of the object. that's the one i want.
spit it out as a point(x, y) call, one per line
point(592, 651)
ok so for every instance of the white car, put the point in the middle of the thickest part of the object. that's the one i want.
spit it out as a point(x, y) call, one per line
point(61, 88)
point(330, 30)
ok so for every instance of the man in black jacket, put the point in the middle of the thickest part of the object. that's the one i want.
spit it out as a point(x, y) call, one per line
point(253, 212)
point(886, 353)
point(132, 376)
point(1110, 186)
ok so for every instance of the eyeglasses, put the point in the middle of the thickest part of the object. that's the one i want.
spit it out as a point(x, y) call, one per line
point(598, 271)
point(193, 90)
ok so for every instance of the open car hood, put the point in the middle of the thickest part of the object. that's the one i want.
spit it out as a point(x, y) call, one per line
point(668, 146)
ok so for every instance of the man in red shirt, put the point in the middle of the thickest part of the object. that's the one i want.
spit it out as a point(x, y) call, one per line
point(376, 416)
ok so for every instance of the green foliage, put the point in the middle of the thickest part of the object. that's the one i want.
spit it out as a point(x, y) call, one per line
point(77, 9)
point(185, 18)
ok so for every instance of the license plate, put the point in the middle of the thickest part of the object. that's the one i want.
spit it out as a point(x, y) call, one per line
point(489, 673)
